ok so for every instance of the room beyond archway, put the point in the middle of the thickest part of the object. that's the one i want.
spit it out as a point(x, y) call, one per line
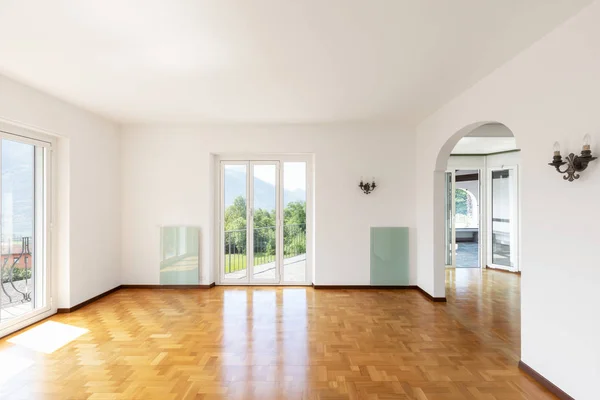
point(480, 196)
point(481, 200)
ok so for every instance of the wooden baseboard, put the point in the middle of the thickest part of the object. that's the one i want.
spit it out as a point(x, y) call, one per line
point(410, 287)
point(551, 387)
point(199, 286)
point(430, 297)
point(88, 301)
point(503, 270)
point(101, 295)
point(354, 287)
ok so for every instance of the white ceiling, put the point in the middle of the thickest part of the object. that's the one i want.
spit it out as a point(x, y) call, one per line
point(265, 61)
point(493, 129)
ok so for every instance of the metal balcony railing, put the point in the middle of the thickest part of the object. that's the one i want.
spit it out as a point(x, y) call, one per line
point(16, 267)
point(294, 244)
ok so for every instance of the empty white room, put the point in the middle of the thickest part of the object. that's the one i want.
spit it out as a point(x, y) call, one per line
point(299, 199)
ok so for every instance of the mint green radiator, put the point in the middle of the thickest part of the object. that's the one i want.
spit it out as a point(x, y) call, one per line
point(179, 263)
point(389, 256)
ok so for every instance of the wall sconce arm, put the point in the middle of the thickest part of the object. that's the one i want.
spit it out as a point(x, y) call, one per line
point(574, 163)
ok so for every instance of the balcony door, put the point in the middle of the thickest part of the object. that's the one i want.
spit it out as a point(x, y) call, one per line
point(24, 207)
point(263, 222)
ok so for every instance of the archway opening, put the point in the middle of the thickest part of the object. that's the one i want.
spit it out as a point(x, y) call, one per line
point(476, 186)
point(476, 208)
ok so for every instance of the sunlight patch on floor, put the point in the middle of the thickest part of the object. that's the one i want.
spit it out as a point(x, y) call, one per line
point(48, 337)
point(11, 366)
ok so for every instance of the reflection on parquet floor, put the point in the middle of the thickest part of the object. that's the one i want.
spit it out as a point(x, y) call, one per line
point(285, 343)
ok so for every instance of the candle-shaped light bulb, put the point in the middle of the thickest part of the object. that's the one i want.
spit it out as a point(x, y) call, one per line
point(556, 149)
point(587, 141)
point(361, 179)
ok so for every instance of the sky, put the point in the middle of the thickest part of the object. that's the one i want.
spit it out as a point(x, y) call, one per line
point(294, 183)
point(294, 174)
point(17, 188)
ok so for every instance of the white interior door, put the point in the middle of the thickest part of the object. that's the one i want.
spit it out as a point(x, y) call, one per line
point(503, 220)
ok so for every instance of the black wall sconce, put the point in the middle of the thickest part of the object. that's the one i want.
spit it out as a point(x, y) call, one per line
point(575, 163)
point(367, 187)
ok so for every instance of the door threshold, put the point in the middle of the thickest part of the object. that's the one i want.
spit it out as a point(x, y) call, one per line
point(503, 270)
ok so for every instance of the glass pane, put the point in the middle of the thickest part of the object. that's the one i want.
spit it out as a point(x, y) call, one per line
point(448, 219)
point(179, 264)
point(502, 211)
point(235, 255)
point(264, 220)
point(294, 222)
point(466, 218)
point(18, 270)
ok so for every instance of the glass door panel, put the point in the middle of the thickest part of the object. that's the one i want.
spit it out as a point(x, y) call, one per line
point(466, 219)
point(294, 221)
point(448, 213)
point(503, 218)
point(23, 282)
point(235, 222)
point(265, 221)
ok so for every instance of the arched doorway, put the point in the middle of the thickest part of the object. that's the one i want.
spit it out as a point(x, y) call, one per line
point(484, 148)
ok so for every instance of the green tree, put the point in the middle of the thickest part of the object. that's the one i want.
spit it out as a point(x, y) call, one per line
point(294, 231)
point(295, 213)
point(235, 224)
point(264, 232)
point(235, 214)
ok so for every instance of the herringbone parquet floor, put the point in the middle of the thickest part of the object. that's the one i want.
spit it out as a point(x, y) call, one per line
point(281, 343)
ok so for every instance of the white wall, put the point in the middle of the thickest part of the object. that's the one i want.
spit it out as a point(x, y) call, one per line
point(493, 130)
point(547, 93)
point(87, 159)
point(504, 159)
point(465, 162)
point(167, 179)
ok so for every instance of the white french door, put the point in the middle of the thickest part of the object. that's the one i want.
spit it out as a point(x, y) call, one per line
point(25, 290)
point(263, 221)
